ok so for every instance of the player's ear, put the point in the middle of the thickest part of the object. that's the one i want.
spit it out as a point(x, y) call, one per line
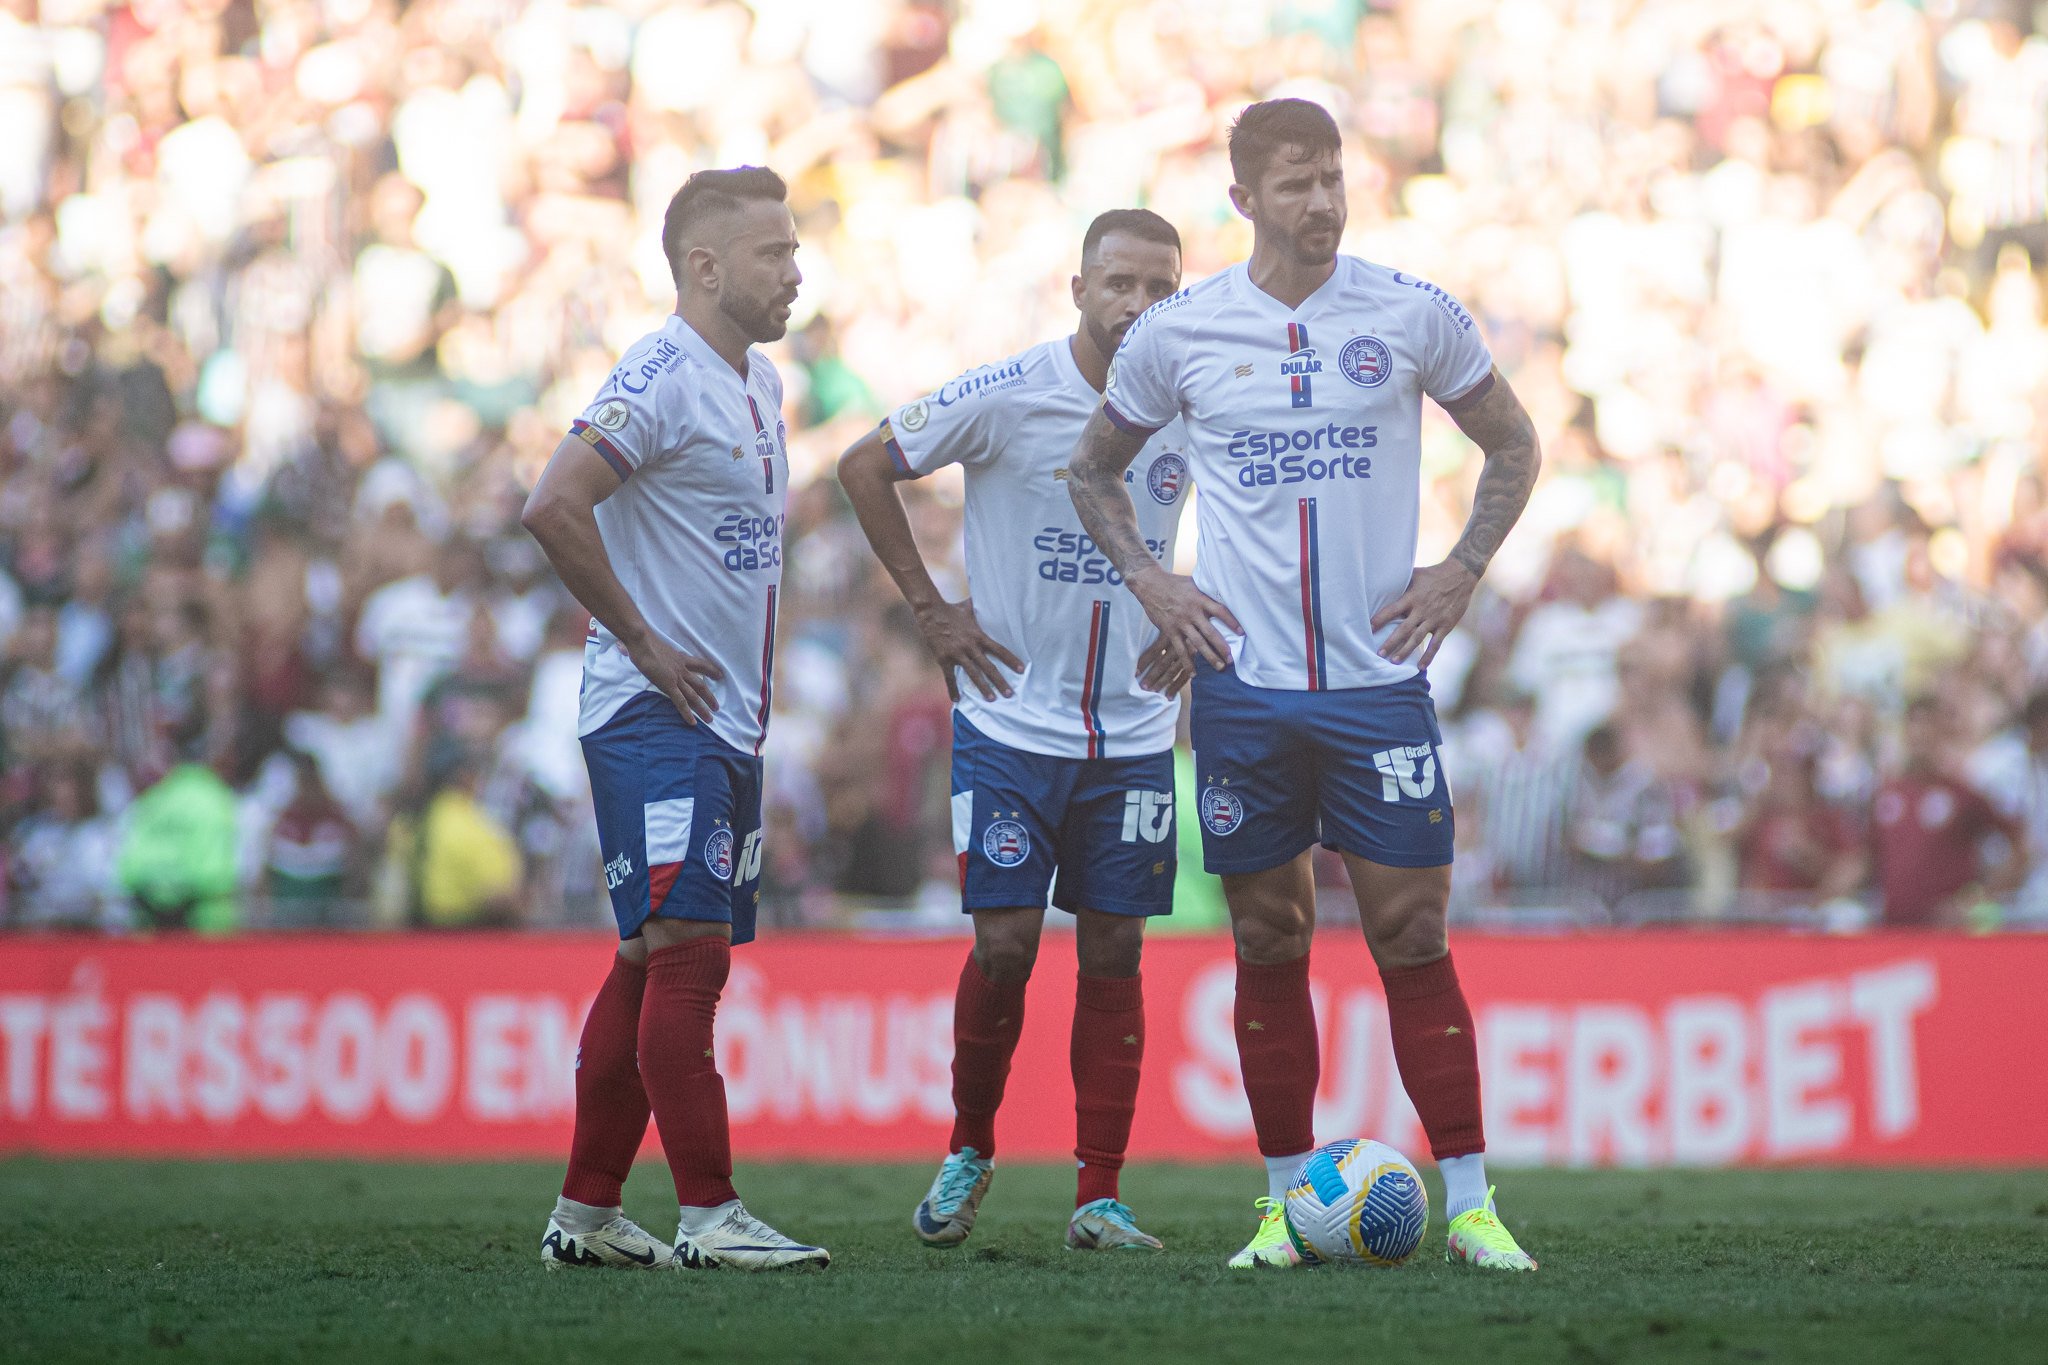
point(700, 267)
point(1241, 200)
point(1076, 287)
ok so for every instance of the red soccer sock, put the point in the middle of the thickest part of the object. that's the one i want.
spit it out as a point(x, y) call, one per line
point(987, 1019)
point(1280, 1055)
point(611, 1104)
point(1107, 1052)
point(1437, 1054)
point(679, 1070)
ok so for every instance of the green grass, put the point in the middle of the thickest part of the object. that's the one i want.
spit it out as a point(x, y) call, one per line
point(335, 1261)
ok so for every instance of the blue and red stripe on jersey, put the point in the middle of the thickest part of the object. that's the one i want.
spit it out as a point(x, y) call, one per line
point(1312, 597)
point(761, 430)
point(1123, 423)
point(1298, 385)
point(597, 441)
point(1091, 678)
point(767, 673)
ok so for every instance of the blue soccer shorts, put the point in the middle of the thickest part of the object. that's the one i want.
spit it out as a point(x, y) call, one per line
point(1357, 770)
point(678, 819)
point(1104, 826)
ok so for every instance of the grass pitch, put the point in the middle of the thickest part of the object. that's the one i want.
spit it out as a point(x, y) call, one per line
point(337, 1261)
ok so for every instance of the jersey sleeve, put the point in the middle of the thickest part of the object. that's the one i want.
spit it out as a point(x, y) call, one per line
point(1143, 390)
point(632, 430)
point(1457, 367)
point(967, 428)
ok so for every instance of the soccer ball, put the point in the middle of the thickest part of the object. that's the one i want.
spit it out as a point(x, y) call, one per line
point(1357, 1202)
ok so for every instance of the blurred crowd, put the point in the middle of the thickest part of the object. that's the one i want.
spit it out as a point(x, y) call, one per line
point(296, 296)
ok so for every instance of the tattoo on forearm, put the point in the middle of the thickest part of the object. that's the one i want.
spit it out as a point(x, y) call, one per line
point(1095, 481)
point(1502, 430)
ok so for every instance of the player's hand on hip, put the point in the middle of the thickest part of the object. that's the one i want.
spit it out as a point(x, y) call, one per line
point(957, 641)
point(1435, 602)
point(1162, 669)
point(683, 678)
point(1186, 617)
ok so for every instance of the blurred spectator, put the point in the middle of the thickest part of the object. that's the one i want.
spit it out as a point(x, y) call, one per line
point(61, 857)
point(1793, 842)
point(1622, 828)
point(1937, 845)
point(2012, 770)
point(177, 857)
point(310, 856)
point(461, 868)
point(1517, 786)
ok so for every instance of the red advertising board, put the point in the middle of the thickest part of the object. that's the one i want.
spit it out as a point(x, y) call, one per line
point(1643, 1049)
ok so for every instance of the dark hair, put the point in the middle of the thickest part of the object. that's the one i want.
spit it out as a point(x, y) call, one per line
point(1262, 129)
point(1143, 224)
point(709, 193)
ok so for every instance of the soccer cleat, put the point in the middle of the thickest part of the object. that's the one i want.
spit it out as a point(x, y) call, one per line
point(947, 1214)
point(621, 1242)
point(1271, 1246)
point(1478, 1239)
point(1107, 1225)
point(740, 1241)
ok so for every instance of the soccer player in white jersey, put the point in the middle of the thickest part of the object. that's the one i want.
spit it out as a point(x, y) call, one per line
point(1062, 762)
point(1299, 376)
point(662, 510)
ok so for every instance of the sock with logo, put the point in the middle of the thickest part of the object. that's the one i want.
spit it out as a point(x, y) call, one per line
point(1107, 1053)
point(1464, 1183)
point(611, 1104)
point(1434, 1048)
point(680, 1071)
point(988, 1017)
point(1277, 1049)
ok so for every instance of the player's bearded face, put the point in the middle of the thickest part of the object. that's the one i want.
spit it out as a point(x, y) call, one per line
point(1299, 204)
point(1126, 276)
point(758, 276)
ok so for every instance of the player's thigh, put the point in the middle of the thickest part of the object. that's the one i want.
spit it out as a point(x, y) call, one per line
point(1381, 792)
point(1273, 910)
point(1007, 810)
point(1118, 855)
point(1403, 910)
point(1256, 798)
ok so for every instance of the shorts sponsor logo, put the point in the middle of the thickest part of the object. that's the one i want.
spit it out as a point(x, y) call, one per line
point(1167, 476)
point(1222, 812)
point(616, 871)
point(750, 859)
point(612, 416)
point(1147, 816)
point(1365, 361)
point(914, 415)
point(1407, 770)
point(1006, 843)
point(718, 854)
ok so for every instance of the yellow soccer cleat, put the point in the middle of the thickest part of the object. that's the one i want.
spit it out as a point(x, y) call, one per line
point(1272, 1246)
point(1477, 1239)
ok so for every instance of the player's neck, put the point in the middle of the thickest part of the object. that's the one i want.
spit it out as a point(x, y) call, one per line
point(1089, 359)
point(709, 321)
point(1276, 272)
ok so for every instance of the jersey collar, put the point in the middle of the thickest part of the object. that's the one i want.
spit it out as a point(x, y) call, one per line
point(1063, 359)
point(678, 330)
point(1241, 280)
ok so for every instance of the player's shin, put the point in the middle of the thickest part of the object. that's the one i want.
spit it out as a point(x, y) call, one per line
point(988, 1017)
point(1107, 1054)
point(1439, 1062)
point(611, 1103)
point(1278, 1051)
point(679, 1070)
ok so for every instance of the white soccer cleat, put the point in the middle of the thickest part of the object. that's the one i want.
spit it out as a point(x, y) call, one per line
point(621, 1242)
point(1107, 1225)
point(947, 1214)
point(740, 1241)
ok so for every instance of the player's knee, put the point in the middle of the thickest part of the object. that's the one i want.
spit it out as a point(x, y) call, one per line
point(1275, 933)
point(1408, 932)
point(1005, 946)
point(1109, 945)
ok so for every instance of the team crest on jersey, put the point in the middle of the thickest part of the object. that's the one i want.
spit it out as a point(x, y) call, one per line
point(1365, 361)
point(1222, 812)
point(1300, 367)
point(913, 416)
point(612, 416)
point(718, 854)
point(1167, 476)
point(1006, 843)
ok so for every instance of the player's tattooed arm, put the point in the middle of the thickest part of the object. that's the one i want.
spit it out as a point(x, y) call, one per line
point(1438, 594)
point(950, 629)
point(1185, 615)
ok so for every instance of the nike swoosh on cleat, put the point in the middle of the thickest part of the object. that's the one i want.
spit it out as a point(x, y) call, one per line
point(648, 1259)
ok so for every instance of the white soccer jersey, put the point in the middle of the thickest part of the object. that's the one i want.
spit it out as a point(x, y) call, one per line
point(1304, 429)
point(1040, 585)
point(695, 533)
